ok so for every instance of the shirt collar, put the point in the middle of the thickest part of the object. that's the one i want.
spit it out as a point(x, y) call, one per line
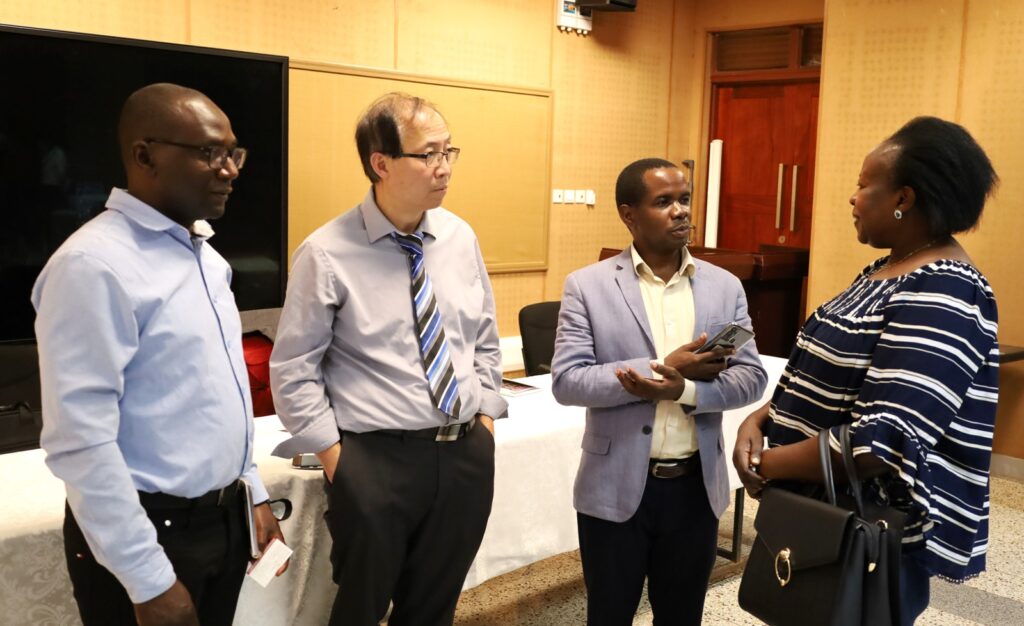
point(687, 268)
point(379, 226)
point(149, 218)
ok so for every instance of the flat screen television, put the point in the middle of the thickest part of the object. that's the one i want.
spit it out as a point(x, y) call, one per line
point(59, 159)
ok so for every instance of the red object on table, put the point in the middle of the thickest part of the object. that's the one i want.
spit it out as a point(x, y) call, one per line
point(256, 347)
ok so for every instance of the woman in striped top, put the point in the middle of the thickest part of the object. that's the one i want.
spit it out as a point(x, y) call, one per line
point(907, 354)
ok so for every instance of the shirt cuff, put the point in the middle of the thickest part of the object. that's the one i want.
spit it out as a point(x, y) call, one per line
point(493, 405)
point(259, 490)
point(147, 582)
point(689, 395)
point(317, 437)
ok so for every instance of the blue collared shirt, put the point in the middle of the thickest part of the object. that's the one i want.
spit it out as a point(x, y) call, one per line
point(144, 384)
point(346, 354)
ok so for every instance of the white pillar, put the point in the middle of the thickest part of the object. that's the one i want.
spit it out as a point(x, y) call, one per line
point(714, 183)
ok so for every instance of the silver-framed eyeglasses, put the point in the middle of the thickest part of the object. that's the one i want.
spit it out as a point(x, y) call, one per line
point(216, 156)
point(433, 159)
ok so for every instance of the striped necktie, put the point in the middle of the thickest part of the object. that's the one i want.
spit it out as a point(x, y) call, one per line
point(434, 352)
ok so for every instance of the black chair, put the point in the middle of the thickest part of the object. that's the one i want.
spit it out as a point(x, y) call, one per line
point(537, 323)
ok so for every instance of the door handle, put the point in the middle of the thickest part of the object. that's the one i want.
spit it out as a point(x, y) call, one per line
point(778, 199)
point(792, 202)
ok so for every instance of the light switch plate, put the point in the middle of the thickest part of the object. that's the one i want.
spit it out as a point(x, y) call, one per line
point(591, 197)
point(556, 196)
point(581, 196)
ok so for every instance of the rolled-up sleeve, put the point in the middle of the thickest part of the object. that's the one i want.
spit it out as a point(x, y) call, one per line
point(304, 333)
point(87, 334)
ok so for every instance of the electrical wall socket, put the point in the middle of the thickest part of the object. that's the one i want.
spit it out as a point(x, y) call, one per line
point(574, 196)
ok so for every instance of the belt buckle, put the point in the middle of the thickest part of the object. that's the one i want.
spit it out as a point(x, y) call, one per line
point(665, 470)
point(452, 432)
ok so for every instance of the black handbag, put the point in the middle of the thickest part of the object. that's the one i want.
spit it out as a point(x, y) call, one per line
point(815, 562)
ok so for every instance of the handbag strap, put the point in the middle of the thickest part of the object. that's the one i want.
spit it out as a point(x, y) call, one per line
point(826, 466)
point(851, 468)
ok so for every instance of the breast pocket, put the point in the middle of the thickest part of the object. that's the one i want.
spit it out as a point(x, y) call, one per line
point(216, 282)
point(228, 316)
point(714, 326)
point(463, 306)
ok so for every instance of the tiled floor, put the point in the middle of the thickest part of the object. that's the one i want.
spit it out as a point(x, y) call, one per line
point(550, 593)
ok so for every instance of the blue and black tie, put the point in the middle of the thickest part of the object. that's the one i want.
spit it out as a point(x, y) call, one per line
point(434, 352)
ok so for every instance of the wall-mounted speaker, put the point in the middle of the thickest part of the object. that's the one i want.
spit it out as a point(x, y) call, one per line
point(607, 5)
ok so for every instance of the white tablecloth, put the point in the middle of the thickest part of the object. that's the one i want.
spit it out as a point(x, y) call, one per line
point(536, 454)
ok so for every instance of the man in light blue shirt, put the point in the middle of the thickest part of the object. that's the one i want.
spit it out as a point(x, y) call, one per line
point(147, 416)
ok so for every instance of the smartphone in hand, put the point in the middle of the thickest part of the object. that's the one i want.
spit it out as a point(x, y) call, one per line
point(732, 336)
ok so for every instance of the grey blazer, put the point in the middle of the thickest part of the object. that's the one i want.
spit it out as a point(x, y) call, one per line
point(603, 326)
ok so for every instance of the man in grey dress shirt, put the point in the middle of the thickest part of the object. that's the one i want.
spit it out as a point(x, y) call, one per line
point(386, 364)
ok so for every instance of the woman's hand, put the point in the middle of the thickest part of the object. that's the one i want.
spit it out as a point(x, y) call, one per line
point(746, 456)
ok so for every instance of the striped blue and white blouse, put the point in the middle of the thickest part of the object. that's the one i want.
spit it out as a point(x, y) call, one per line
point(912, 362)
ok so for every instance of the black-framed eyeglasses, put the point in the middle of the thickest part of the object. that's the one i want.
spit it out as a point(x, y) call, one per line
point(216, 156)
point(433, 159)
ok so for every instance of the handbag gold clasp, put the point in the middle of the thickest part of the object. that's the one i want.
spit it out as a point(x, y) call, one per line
point(782, 558)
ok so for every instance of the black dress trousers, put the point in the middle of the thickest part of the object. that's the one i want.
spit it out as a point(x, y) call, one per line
point(406, 516)
point(671, 541)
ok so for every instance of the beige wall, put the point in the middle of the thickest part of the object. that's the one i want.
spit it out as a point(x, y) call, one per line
point(611, 90)
point(635, 88)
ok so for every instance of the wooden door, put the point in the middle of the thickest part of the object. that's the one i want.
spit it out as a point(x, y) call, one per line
point(768, 134)
point(801, 124)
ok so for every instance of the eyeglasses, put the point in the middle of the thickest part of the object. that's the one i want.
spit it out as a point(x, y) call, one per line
point(216, 156)
point(433, 159)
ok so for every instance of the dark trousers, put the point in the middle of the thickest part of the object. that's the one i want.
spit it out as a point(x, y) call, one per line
point(407, 516)
point(208, 547)
point(915, 590)
point(671, 540)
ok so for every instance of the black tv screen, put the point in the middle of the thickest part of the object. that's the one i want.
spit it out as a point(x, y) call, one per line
point(59, 159)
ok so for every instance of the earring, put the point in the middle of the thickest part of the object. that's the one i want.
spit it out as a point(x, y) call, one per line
point(897, 214)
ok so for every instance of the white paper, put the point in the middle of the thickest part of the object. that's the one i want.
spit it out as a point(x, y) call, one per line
point(263, 570)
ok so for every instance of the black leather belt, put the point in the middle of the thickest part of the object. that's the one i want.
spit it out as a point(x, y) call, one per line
point(675, 468)
point(451, 432)
point(218, 497)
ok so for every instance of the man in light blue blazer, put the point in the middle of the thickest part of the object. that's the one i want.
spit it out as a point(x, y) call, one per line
point(652, 480)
